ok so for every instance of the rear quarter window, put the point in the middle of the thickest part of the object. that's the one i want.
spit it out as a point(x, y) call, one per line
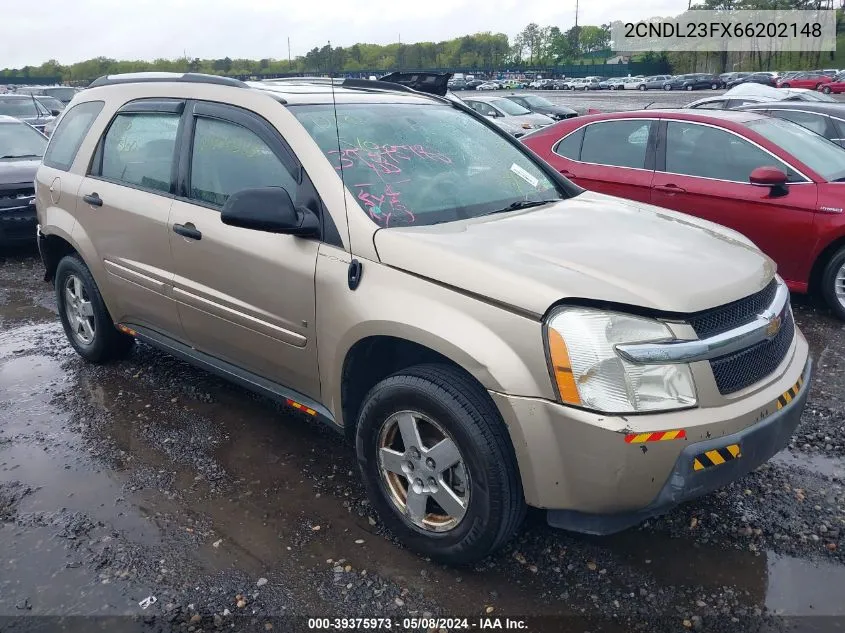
point(570, 146)
point(68, 135)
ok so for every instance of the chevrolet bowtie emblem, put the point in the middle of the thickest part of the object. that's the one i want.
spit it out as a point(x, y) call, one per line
point(774, 326)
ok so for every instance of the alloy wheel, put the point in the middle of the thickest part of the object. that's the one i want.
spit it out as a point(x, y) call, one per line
point(79, 311)
point(423, 471)
point(839, 285)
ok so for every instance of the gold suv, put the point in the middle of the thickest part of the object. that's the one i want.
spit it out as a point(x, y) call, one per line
point(384, 260)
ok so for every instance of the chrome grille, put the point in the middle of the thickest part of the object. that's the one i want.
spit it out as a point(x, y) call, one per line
point(16, 196)
point(742, 369)
point(734, 314)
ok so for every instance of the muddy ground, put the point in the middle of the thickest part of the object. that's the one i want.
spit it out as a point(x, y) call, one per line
point(151, 478)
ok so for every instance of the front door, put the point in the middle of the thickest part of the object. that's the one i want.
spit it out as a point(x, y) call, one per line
point(705, 173)
point(124, 206)
point(245, 296)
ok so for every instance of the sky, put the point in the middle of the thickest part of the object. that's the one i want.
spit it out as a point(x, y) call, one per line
point(74, 30)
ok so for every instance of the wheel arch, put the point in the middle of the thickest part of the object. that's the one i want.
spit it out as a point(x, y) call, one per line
point(821, 261)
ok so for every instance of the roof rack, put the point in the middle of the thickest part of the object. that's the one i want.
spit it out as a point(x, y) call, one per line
point(340, 82)
point(194, 78)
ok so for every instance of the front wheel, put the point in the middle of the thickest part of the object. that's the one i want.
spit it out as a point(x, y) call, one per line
point(833, 283)
point(714, 86)
point(818, 86)
point(826, 90)
point(88, 326)
point(689, 88)
point(642, 88)
point(667, 87)
point(438, 465)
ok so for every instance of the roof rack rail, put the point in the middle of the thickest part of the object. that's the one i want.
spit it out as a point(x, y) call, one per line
point(195, 78)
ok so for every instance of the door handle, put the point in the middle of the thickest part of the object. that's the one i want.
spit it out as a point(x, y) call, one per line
point(93, 199)
point(670, 188)
point(187, 230)
point(567, 173)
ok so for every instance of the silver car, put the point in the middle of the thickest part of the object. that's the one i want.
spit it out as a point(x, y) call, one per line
point(510, 116)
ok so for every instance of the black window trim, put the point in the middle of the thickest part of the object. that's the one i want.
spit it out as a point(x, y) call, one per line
point(660, 162)
point(155, 105)
point(66, 168)
point(649, 161)
point(831, 128)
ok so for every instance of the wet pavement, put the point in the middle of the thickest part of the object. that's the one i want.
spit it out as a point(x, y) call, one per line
point(148, 477)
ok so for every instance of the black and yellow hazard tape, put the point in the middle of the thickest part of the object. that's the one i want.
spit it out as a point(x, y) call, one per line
point(716, 457)
point(787, 397)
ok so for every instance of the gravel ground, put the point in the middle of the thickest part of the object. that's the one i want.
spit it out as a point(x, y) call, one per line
point(151, 478)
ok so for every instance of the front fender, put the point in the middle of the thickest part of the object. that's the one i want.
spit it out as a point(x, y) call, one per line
point(501, 349)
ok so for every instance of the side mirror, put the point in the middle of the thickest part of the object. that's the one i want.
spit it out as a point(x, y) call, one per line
point(55, 112)
point(772, 177)
point(269, 209)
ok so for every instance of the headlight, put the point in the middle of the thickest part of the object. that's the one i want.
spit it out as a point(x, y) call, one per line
point(589, 373)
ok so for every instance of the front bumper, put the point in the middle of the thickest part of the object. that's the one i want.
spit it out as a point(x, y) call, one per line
point(17, 225)
point(578, 465)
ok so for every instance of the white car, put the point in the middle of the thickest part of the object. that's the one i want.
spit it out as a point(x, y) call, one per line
point(488, 85)
point(632, 83)
point(579, 83)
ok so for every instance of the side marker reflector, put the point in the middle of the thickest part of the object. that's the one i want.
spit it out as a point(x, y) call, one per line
point(659, 436)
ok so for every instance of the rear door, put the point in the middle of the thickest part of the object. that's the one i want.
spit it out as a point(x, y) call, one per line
point(245, 296)
point(614, 157)
point(124, 205)
point(703, 170)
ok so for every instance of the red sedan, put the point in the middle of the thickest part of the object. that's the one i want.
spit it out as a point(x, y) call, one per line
point(813, 81)
point(776, 182)
point(836, 85)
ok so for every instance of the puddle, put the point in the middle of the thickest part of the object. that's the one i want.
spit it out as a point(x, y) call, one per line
point(820, 464)
point(798, 587)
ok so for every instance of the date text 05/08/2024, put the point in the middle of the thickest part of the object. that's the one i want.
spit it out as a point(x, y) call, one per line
point(418, 624)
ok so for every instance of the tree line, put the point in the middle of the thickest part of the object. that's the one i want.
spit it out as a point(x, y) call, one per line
point(535, 46)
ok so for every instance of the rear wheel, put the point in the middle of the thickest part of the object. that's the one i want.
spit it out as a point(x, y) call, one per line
point(438, 465)
point(667, 87)
point(88, 326)
point(714, 86)
point(642, 87)
point(689, 88)
point(833, 283)
point(826, 90)
point(818, 86)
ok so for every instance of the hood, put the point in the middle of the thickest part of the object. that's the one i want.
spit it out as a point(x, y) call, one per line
point(13, 171)
point(532, 118)
point(591, 246)
point(554, 109)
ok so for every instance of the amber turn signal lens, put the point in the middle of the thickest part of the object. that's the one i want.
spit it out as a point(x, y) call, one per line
point(562, 368)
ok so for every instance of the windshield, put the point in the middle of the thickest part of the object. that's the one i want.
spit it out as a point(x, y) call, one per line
point(538, 101)
point(19, 107)
point(62, 94)
point(18, 140)
point(822, 156)
point(415, 164)
point(51, 103)
point(509, 107)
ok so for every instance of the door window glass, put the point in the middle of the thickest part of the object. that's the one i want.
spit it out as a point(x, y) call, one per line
point(138, 149)
point(570, 146)
point(617, 143)
point(815, 122)
point(708, 152)
point(228, 158)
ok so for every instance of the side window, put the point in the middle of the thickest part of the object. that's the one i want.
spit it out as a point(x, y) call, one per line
point(68, 136)
point(570, 146)
point(728, 156)
point(839, 128)
point(616, 143)
point(228, 158)
point(138, 149)
point(815, 122)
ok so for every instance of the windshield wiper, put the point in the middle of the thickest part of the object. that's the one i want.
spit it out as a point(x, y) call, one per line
point(521, 204)
point(20, 156)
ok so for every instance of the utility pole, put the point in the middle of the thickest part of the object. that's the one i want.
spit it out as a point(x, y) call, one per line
point(576, 16)
point(290, 65)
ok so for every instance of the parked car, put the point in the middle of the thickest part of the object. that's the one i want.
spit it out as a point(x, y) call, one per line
point(559, 84)
point(612, 84)
point(541, 105)
point(774, 181)
point(694, 81)
point(63, 93)
point(836, 85)
point(26, 108)
point(632, 83)
point(655, 82)
point(21, 149)
point(472, 84)
point(593, 83)
point(457, 84)
point(488, 85)
point(765, 79)
point(578, 83)
point(53, 105)
point(757, 93)
point(814, 81)
point(827, 119)
point(726, 78)
point(485, 334)
point(508, 114)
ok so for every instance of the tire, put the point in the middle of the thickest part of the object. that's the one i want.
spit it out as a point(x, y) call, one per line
point(667, 87)
point(818, 86)
point(784, 86)
point(832, 277)
point(826, 90)
point(78, 299)
point(689, 88)
point(714, 86)
point(445, 396)
point(643, 88)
